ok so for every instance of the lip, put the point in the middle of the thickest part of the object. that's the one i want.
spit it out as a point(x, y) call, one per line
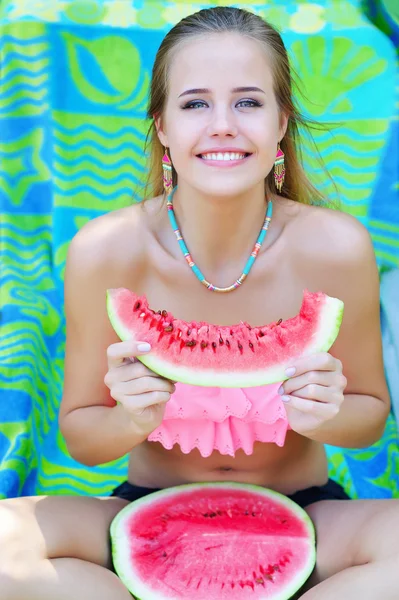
point(216, 150)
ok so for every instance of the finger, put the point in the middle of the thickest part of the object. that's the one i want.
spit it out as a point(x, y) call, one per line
point(320, 361)
point(320, 410)
point(318, 393)
point(142, 401)
point(141, 385)
point(119, 352)
point(311, 378)
point(131, 371)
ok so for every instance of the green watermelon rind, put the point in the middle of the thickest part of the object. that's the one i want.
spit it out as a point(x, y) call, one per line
point(140, 591)
point(330, 318)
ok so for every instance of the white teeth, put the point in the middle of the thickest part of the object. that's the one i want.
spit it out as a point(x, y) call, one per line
point(223, 156)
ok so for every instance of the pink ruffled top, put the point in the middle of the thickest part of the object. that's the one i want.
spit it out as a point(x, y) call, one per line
point(222, 419)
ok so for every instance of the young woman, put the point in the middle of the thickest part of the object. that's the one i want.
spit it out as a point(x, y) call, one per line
point(221, 105)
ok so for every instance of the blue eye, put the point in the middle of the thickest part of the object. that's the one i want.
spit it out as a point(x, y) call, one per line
point(249, 103)
point(193, 104)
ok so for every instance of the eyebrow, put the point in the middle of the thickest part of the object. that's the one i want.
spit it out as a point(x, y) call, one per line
point(234, 90)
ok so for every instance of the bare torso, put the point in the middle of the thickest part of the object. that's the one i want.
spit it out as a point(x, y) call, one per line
point(272, 291)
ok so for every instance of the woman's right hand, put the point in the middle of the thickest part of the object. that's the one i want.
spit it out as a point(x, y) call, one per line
point(141, 392)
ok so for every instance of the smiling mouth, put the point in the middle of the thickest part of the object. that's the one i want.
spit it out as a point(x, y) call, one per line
point(224, 156)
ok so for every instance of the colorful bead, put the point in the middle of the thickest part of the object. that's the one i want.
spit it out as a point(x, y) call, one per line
point(191, 263)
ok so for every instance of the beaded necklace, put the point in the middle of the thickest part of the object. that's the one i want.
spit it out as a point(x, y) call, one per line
point(191, 263)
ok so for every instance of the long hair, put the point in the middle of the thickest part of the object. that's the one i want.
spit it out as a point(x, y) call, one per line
point(296, 185)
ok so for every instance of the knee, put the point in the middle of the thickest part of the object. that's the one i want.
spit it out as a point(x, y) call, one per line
point(20, 546)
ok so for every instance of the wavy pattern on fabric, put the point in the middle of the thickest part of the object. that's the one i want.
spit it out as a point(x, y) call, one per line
point(73, 94)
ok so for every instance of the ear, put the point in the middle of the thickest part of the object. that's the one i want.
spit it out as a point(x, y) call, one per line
point(160, 130)
point(283, 125)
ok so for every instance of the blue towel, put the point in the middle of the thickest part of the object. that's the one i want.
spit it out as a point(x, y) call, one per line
point(390, 333)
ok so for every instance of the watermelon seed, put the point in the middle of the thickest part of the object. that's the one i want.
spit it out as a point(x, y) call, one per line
point(188, 331)
point(168, 329)
point(164, 313)
point(214, 345)
point(158, 312)
point(276, 568)
point(191, 343)
point(253, 514)
point(204, 344)
point(164, 554)
point(221, 342)
point(137, 306)
point(261, 334)
point(251, 345)
point(228, 343)
point(260, 581)
point(246, 513)
point(279, 321)
point(239, 346)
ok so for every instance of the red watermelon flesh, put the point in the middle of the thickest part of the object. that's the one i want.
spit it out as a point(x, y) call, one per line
point(225, 356)
point(214, 541)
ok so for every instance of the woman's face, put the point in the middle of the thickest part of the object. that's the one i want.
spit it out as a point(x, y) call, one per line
point(221, 121)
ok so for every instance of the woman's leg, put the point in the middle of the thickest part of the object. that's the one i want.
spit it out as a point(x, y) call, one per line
point(58, 547)
point(358, 550)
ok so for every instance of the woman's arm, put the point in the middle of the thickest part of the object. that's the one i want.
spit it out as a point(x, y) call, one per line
point(343, 265)
point(96, 430)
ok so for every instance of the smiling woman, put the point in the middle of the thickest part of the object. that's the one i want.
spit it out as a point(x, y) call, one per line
point(221, 104)
point(266, 72)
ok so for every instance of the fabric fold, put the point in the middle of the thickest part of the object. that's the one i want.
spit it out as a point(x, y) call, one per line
point(223, 419)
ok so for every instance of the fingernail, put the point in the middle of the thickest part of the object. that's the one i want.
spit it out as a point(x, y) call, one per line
point(290, 372)
point(143, 347)
point(281, 390)
point(285, 398)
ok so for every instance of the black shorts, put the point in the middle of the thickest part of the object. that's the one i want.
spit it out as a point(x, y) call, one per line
point(330, 491)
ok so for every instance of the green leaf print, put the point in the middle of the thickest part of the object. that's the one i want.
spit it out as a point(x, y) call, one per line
point(331, 74)
point(112, 57)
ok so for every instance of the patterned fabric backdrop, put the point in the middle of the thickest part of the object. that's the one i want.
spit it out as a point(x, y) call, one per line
point(73, 91)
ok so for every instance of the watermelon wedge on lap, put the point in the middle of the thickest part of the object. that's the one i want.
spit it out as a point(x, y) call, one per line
point(225, 356)
point(213, 541)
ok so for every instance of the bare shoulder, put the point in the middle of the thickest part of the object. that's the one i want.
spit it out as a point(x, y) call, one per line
point(109, 238)
point(326, 241)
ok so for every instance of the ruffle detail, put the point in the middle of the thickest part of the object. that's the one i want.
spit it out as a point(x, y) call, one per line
point(223, 419)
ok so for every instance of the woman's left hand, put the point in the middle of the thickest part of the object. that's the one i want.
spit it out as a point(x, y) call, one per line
point(314, 393)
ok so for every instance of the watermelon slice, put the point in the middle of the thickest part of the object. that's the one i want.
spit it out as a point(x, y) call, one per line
point(213, 541)
point(225, 356)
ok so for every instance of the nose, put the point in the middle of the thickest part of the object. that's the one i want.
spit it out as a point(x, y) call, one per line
point(222, 122)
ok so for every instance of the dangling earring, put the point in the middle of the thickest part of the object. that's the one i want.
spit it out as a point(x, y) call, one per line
point(167, 172)
point(279, 169)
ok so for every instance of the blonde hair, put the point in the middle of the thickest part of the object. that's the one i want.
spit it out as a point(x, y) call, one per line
point(232, 20)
